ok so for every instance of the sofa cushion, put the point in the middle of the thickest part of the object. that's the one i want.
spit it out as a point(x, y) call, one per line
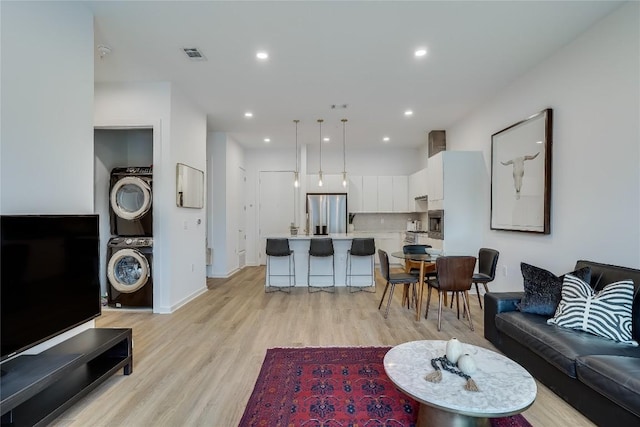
point(559, 346)
point(606, 314)
point(616, 377)
point(542, 289)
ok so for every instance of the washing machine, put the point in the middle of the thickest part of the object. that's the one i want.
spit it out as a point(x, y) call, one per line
point(130, 197)
point(129, 275)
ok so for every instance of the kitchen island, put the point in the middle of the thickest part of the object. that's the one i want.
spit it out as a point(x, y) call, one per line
point(360, 267)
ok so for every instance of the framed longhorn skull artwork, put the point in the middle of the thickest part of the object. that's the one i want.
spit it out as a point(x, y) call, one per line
point(521, 175)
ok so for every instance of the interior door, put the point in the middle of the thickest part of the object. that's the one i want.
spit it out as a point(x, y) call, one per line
point(276, 210)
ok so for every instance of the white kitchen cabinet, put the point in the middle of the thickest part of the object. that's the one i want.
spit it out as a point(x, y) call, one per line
point(389, 242)
point(385, 194)
point(435, 180)
point(400, 192)
point(370, 194)
point(354, 195)
point(419, 184)
point(458, 184)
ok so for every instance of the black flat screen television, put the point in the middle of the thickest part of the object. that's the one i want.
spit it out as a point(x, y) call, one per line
point(49, 277)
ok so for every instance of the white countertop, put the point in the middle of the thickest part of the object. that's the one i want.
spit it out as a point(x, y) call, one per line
point(338, 236)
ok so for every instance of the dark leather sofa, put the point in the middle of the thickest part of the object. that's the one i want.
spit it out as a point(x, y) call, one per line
point(597, 376)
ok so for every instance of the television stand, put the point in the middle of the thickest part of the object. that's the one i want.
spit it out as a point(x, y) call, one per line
point(36, 389)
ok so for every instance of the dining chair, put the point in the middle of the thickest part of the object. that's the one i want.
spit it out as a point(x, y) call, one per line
point(487, 263)
point(393, 279)
point(454, 274)
point(413, 267)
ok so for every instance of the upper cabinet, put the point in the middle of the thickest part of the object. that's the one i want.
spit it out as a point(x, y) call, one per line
point(400, 190)
point(458, 185)
point(370, 194)
point(382, 193)
point(354, 196)
point(385, 194)
point(418, 187)
point(435, 180)
point(418, 184)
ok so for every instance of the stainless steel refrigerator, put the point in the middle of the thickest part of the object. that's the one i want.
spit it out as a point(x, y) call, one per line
point(327, 213)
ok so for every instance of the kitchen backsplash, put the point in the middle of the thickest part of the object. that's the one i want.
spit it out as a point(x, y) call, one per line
point(385, 221)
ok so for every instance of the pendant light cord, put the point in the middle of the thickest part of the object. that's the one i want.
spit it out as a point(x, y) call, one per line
point(320, 121)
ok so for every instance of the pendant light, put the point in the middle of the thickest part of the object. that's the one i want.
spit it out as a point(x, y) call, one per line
point(320, 171)
point(296, 175)
point(344, 154)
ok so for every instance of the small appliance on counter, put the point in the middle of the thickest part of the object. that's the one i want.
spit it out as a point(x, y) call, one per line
point(414, 225)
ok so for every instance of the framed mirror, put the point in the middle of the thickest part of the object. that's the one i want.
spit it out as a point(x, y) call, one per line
point(189, 187)
point(521, 175)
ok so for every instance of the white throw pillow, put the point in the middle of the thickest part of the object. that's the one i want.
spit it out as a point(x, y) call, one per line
point(606, 313)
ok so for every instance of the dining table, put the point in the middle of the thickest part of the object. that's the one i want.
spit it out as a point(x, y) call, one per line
point(427, 264)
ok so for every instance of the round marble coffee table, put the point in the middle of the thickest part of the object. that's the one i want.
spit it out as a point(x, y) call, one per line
point(505, 388)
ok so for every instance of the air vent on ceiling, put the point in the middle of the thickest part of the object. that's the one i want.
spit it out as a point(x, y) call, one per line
point(194, 54)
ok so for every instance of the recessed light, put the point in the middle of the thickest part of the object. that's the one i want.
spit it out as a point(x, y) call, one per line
point(326, 139)
point(248, 114)
point(420, 52)
point(267, 140)
point(408, 113)
point(538, 142)
point(386, 139)
point(262, 55)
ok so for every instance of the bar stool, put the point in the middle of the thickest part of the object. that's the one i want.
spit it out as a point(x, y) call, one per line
point(361, 247)
point(321, 248)
point(280, 248)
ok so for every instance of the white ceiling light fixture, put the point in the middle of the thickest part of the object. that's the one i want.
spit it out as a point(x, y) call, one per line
point(296, 175)
point(320, 140)
point(344, 153)
point(326, 139)
point(248, 114)
point(262, 55)
point(386, 139)
point(408, 113)
point(267, 140)
point(420, 52)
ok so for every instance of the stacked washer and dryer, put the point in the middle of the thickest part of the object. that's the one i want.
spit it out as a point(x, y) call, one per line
point(130, 250)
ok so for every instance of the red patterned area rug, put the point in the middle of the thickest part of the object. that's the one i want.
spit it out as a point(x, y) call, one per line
point(333, 387)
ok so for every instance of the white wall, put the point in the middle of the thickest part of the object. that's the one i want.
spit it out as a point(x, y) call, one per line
point(47, 100)
point(188, 225)
point(593, 87)
point(46, 139)
point(226, 158)
point(179, 135)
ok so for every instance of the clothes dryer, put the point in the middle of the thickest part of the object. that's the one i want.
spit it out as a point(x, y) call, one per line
point(130, 201)
point(129, 262)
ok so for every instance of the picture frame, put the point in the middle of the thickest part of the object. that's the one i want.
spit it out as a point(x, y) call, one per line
point(521, 175)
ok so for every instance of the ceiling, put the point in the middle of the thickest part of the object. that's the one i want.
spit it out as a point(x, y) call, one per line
point(328, 53)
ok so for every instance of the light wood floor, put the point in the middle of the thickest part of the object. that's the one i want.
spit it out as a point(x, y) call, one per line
point(197, 366)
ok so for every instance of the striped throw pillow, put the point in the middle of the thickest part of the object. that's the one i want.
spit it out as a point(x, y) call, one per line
point(606, 313)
